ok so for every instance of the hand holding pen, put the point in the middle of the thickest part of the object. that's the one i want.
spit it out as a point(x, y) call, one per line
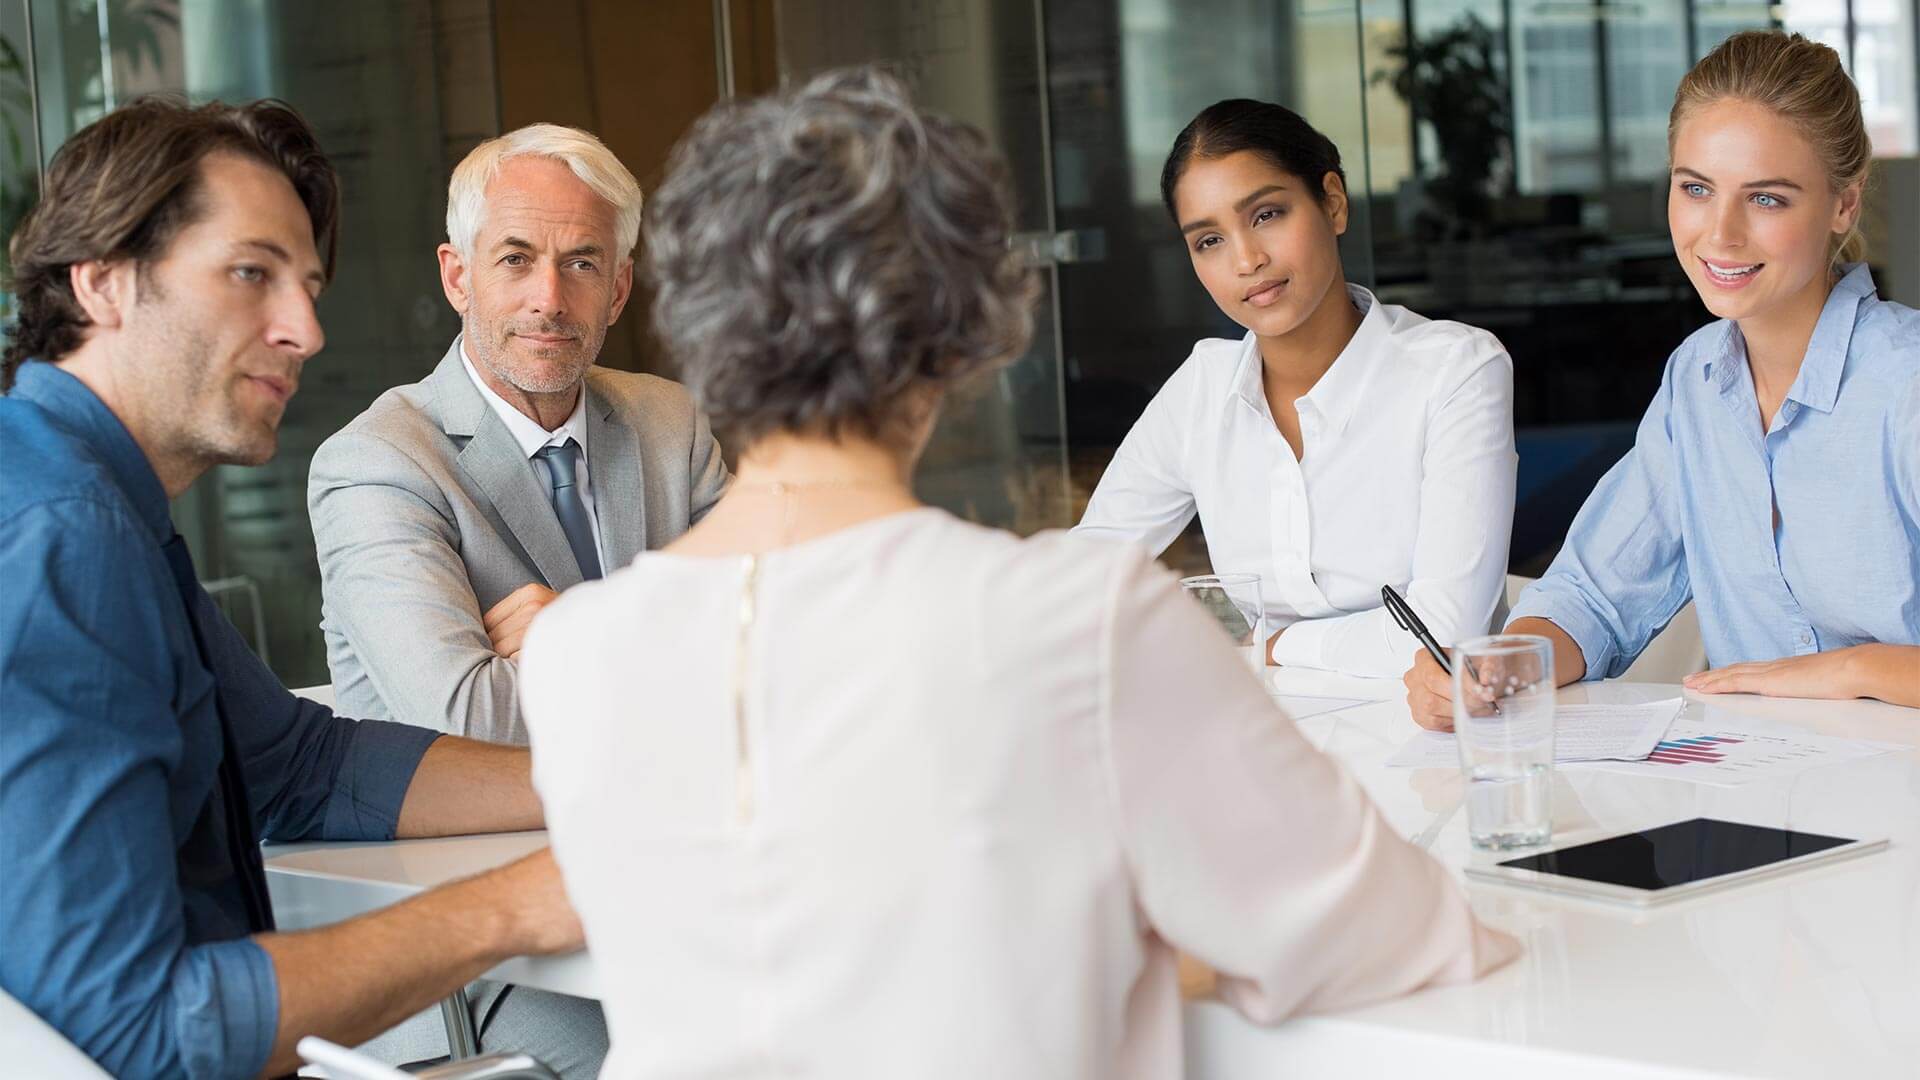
point(1430, 680)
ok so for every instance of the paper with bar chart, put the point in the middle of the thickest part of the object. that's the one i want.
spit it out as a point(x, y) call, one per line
point(1728, 757)
point(1580, 733)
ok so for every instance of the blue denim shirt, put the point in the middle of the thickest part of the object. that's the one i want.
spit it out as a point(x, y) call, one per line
point(110, 746)
point(1689, 512)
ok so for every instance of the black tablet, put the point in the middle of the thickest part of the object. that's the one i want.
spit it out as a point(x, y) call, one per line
point(1685, 858)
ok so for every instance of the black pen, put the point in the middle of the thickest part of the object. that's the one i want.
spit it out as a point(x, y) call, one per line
point(1402, 613)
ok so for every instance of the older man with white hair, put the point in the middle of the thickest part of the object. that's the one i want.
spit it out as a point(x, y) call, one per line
point(455, 508)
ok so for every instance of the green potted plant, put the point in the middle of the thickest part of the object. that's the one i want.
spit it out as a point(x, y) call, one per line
point(1453, 82)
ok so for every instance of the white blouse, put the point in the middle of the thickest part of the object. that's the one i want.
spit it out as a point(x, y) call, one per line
point(1406, 478)
point(919, 798)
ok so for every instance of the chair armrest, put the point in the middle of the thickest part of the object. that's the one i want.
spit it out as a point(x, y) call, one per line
point(507, 1066)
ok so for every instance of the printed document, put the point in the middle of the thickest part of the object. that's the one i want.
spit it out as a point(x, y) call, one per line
point(1580, 733)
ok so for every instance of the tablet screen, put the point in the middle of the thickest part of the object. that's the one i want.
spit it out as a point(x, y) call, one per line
point(1676, 854)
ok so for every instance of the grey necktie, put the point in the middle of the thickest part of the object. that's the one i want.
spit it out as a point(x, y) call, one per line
point(568, 506)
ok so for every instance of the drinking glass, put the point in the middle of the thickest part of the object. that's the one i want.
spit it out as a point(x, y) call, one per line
point(1503, 716)
point(1234, 602)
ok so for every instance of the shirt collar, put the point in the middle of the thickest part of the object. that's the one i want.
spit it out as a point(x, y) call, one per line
point(1818, 384)
point(1340, 390)
point(529, 434)
point(80, 410)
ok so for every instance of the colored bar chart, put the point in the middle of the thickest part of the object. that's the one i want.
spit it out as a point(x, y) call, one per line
point(1705, 748)
point(1725, 756)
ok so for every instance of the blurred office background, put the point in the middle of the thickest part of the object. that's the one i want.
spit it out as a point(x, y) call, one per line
point(1507, 158)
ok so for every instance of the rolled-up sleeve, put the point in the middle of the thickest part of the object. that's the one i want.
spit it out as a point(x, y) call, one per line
point(311, 775)
point(1621, 576)
point(90, 897)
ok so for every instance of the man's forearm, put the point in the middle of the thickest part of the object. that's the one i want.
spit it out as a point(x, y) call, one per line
point(351, 981)
point(462, 786)
point(1569, 663)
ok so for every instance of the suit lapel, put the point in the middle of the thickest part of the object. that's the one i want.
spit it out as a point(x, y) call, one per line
point(619, 491)
point(501, 472)
point(494, 461)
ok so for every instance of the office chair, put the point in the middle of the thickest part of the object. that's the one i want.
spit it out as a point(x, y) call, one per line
point(341, 1063)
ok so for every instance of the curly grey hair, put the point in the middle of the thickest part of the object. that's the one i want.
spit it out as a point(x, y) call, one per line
point(819, 254)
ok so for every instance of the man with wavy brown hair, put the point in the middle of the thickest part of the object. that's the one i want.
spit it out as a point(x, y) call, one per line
point(166, 283)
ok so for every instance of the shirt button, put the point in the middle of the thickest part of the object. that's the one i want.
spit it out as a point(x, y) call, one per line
point(1806, 638)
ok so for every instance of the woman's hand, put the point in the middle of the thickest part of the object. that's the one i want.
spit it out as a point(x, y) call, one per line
point(1888, 672)
point(1429, 693)
point(1430, 688)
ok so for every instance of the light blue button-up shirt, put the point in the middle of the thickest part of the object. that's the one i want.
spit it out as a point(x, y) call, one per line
point(1689, 512)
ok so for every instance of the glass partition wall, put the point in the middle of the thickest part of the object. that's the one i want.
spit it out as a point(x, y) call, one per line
point(398, 90)
point(998, 454)
point(1084, 97)
point(1507, 159)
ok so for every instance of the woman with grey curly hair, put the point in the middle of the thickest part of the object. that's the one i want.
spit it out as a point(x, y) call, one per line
point(844, 786)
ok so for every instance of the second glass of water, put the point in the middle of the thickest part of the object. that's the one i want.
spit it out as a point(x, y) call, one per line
point(1234, 602)
point(1503, 714)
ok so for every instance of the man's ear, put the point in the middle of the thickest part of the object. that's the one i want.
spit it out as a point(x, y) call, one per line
point(454, 278)
point(104, 290)
point(622, 290)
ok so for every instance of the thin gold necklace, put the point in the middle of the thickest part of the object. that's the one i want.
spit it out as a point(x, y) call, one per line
point(787, 489)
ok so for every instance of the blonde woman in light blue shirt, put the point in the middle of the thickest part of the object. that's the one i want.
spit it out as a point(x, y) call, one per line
point(1775, 480)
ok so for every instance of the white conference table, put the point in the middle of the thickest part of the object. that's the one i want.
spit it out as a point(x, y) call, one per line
point(1814, 974)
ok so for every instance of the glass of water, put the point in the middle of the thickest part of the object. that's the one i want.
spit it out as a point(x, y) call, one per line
point(1234, 602)
point(1503, 715)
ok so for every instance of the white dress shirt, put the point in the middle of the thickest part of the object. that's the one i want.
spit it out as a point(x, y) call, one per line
point(533, 438)
point(1406, 478)
point(812, 832)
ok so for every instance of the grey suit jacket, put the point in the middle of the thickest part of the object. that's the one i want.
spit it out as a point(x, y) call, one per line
point(426, 513)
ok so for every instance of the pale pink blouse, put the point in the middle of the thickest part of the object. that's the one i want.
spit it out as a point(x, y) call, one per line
point(921, 798)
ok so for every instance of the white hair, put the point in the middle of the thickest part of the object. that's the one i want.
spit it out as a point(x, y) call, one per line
point(586, 156)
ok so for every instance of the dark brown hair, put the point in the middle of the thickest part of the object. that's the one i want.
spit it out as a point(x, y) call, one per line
point(125, 185)
point(1274, 132)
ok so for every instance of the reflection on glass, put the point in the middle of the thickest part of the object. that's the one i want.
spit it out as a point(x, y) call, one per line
point(1715, 21)
point(19, 142)
point(998, 454)
point(1646, 46)
point(1885, 41)
point(397, 92)
point(1453, 82)
point(1549, 230)
point(1557, 100)
point(1566, 259)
